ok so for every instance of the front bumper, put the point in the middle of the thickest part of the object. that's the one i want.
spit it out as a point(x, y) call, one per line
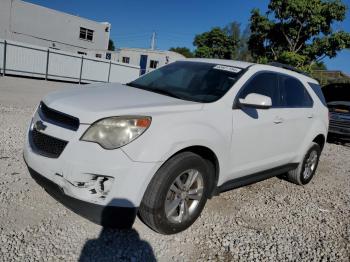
point(107, 216)
point(79, 171)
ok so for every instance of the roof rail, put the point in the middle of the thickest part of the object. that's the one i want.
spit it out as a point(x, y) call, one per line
point(289, 67)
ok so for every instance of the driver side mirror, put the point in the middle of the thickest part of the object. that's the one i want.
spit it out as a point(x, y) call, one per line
point(256, 101)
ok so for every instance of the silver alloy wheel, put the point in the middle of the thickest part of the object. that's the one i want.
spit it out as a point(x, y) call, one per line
point(184, 196)
point(310, 164)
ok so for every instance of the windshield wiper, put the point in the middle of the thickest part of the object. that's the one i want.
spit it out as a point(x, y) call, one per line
point(155, 90)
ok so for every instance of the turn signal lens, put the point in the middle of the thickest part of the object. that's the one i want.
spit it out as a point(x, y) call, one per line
point(144, 122)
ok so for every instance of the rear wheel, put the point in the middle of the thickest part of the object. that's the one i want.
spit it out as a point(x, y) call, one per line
point(307, 168)
point(177, 194)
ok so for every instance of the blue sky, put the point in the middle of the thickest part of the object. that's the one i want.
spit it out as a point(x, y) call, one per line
point(175, 22)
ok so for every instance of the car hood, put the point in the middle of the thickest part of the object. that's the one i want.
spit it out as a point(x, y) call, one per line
point(340, 107)
point(92, 102)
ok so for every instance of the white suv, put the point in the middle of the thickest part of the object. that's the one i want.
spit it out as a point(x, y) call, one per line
point(163, 144)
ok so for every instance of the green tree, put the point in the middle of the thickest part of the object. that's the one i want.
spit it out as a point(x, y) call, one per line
point(111, 46)
point(225, 43)
point(186, 52)
point(215, 43)
point(240, 38)
point(318, 66)
point(298, 32)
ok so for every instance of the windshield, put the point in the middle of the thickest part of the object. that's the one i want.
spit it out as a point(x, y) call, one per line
point(194, 81)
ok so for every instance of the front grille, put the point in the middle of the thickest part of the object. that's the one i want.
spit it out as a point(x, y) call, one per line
point(58, 118)
point(46, 145)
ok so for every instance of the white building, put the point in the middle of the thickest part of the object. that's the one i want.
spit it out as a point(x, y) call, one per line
point(37, 25)
point(33, 24)
point(147, 59)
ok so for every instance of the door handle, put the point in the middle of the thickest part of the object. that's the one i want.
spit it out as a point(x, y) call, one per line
point(278, 120)
point(310, 116)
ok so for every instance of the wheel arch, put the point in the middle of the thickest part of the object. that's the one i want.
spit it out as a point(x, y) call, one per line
point(320, 140)
point(208, 155)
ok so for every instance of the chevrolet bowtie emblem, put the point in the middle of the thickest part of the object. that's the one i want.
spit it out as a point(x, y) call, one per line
point(40, 126)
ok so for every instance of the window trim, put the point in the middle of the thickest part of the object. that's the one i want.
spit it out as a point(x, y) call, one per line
point(278, 74)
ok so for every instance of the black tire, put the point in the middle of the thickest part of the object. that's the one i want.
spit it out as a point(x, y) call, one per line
point(152, 209)
point(298, 176)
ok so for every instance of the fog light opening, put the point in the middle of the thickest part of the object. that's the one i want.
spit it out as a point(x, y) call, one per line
point(97, 186)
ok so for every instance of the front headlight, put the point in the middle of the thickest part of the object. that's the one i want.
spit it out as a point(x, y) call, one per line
point(114, 132)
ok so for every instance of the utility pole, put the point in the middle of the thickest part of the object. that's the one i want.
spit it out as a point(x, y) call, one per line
point(153, 41)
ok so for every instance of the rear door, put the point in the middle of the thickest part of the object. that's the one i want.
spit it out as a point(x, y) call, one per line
point(296, 111)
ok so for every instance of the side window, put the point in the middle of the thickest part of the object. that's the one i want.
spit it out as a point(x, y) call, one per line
point(126, 59)
point(264, 84)
point(86, 34)
point(318, 91)
point(153, 64)
point(294, 93)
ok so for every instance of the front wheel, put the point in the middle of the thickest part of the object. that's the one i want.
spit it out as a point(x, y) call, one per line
point(177, 194)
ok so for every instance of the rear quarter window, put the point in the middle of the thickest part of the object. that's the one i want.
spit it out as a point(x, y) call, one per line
point(294, 93)
point(318, 91)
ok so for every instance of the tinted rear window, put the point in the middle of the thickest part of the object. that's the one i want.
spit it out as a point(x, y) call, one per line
point(318, 91)
point(294, 93)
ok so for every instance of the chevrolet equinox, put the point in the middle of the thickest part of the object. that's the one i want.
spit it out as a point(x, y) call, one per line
point(160, 146)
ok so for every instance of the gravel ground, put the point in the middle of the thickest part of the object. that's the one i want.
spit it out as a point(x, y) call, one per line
point(268, 221)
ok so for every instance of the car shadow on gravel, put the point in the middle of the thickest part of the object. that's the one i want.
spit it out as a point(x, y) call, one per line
point(117, 240)
point(117, 245)
point(122, 244)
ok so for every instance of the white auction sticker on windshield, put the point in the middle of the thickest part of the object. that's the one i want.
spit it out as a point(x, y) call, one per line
point(228, 68)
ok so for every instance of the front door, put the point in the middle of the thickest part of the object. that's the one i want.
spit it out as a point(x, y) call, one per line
point(143, 64)
point(258, 137)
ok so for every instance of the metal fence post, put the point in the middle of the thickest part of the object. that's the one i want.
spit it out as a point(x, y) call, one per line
point(81, 68)
point(4, 62)
point(47, 64)
point(109, 70)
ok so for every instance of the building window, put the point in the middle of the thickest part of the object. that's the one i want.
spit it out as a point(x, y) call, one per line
point(126, 59)
point(153, 64)
point(81, 53)
point(98, 55)
point(86, 34)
